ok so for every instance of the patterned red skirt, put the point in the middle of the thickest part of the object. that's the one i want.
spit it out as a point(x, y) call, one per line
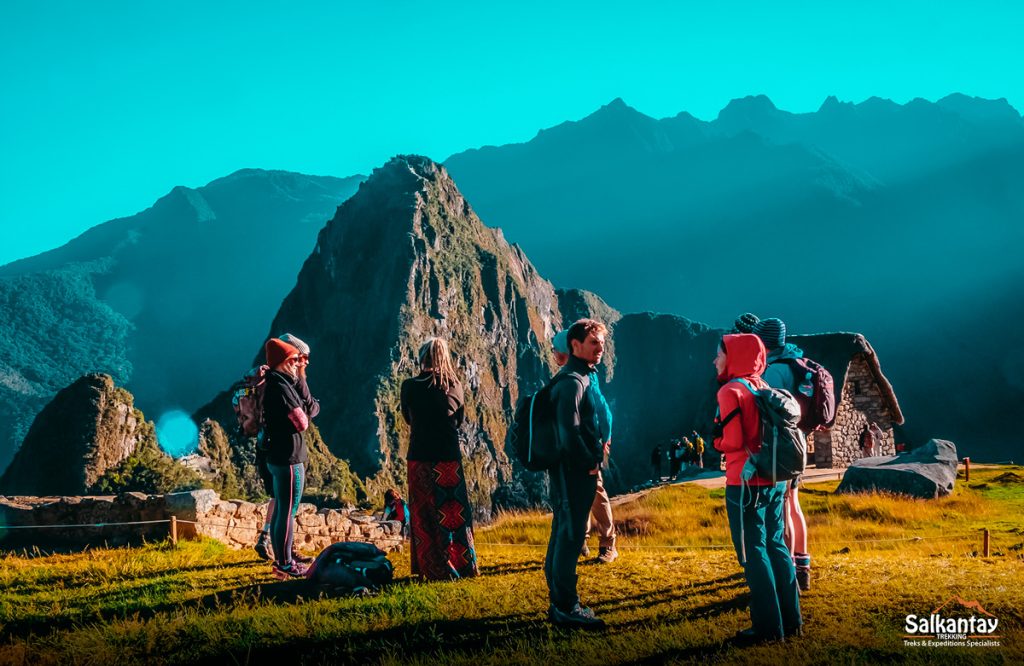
point(441, 521)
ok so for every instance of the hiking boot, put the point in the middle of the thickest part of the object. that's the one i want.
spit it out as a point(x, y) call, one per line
point(747, 637)
point(803, 579)
point(580, 617)
point(585, 550)
point(607, 555)
point(290, 571)
point(301, 559)
point(263, 547)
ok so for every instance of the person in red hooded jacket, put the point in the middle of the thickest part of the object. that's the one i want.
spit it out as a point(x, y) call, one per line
point(754, 505)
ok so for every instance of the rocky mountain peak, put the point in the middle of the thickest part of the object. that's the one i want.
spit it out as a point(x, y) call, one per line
point(405, 259)
point(88, 428)
point(749, 107)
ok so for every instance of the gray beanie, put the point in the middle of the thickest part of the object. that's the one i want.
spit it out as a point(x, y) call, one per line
point(295, 342)
point(772, 332)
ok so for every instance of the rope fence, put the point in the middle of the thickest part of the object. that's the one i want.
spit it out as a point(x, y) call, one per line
point(972, 535)
point(43, 527)
point(173, 521)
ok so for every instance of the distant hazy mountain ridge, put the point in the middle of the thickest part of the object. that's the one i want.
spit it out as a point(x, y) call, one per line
point(898, 221)
point(170, 301)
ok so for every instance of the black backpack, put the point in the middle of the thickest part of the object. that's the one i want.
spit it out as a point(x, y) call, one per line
point(353, 566)
point(783, 452)
point(532, 434)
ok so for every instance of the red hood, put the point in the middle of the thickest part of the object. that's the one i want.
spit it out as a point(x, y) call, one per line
point(744, 356)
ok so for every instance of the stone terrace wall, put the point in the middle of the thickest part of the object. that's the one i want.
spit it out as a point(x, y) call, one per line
point(233, 522)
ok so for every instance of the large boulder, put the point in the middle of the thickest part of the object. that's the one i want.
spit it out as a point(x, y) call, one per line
point(927, 472)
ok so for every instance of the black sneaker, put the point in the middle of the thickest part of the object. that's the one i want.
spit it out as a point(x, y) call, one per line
point(803, 579)
point(580, 617)
point(263, 547)
point(607, 555)
point(290, 571)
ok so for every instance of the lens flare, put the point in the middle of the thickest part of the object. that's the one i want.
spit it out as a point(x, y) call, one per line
point(177, 434)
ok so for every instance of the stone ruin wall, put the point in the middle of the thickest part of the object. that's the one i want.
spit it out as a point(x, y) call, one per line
point(232, 522)
point(840, 446)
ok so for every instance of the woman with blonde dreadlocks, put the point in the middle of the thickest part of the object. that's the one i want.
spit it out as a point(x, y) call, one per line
point(441, 519)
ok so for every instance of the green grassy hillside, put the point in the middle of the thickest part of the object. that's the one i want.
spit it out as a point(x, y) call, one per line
point(675, 594)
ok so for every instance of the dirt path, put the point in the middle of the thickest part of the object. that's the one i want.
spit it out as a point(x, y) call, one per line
point(715, 479)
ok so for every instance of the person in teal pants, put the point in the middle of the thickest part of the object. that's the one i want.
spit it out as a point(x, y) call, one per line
point(754, 505)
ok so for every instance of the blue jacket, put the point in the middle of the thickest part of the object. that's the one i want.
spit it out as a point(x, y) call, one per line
point(780, 375)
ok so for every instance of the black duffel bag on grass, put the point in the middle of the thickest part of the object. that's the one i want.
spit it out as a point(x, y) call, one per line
point(351, 565)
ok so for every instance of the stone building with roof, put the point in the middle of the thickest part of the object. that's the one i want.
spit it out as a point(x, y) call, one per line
point(863, 396)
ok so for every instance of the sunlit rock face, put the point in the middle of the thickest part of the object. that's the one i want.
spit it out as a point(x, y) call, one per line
point(88, 428)
point(406, 258)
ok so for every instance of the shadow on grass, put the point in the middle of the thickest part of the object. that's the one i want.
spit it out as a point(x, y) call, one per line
point(43, 581)
point(277, 592)
point(448, 639)
point(669, 595)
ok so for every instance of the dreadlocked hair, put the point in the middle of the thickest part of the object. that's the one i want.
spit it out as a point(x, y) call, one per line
point(437, 360)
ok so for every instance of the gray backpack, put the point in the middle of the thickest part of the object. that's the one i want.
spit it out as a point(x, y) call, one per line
point(783, 452)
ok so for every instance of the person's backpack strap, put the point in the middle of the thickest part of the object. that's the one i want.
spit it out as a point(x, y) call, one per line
point(728, 417)
point(740, 380)
point(575, 375)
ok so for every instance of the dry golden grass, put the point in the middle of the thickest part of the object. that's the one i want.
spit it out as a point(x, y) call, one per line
point(672, 596)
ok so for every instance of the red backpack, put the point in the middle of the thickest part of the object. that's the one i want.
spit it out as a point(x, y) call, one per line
point(247, 399)
point(815, 392)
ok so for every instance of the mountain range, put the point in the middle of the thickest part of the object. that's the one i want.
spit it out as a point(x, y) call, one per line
point(903, 222)
point(169, 302)
point(899, 221)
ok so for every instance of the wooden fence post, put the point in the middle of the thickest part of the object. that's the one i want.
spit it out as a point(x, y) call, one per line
point(174, 530)
point(986, 547)
point(967, 469)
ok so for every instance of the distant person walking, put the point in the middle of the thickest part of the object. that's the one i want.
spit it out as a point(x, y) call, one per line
point(698, 449)
point(779, 374)
point(396, 508)
point(656, 464)
point(286, 419)
point(601, 510)
point(311, 405)
point(678, 454)
point(871, 439)
point(754, 505)
point(574, 480)
point(440, 516)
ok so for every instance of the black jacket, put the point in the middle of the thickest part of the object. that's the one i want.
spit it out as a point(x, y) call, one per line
point(434, 416)
point(284, 442)
point(310, 404)
point(579, 442)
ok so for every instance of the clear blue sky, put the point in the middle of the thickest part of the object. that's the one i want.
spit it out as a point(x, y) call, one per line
point(105, 106)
